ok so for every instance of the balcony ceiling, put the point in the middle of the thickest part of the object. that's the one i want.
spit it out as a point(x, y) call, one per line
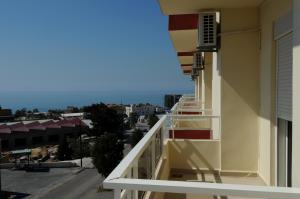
point(184, 40)
point(172, 7)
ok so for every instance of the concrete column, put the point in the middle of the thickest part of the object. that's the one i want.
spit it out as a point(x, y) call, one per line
point(296, 96)
point(216, 93)
point(196, 88)
point(202, 89)
point(199, 88)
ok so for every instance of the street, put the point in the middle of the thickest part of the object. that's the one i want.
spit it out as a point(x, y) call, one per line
point(66, 183)
point(83, 185)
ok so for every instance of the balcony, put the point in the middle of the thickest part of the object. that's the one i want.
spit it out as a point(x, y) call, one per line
point(171, 162)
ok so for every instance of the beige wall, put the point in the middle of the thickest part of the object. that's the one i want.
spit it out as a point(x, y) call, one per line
point(296, 96)
point(194, 154)
point(269, 12)
point(240, 89)
point(201, 124)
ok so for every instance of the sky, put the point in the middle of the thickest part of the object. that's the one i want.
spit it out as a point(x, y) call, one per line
point(87, 45)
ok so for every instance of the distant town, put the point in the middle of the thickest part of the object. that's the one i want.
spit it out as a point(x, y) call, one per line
point(36, 141)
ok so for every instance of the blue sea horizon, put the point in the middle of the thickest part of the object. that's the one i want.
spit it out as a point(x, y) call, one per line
point(61, 99)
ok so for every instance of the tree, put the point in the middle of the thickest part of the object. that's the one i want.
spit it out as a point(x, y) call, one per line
point(105, 119)
point(64, 151)
point(35, 110)
point(107, 153)
point(137, 135)
point(108, 126)
point(133, 118)
point(75, 147)
point(21, 113)
point(152, 119)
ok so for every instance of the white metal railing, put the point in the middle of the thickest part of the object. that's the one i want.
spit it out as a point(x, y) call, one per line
point(126, 180)
point(152, 144)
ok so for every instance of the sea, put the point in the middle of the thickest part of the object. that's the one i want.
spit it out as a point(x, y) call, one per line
point(44, 101)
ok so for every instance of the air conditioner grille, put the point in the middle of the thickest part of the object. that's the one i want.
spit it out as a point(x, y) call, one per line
point(207, 31)
point(198, 61)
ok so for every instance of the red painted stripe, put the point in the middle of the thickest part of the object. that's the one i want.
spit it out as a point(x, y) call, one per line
point(187, 71)
point(186, 65)
point(191, 134)
point(183, 22)
point(185, 54)
point(189, 113)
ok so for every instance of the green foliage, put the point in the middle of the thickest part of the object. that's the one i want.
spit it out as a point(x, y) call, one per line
point(75, 147)
point(108, 126)
point(152, 119)
point(105, 119)
point(107, 153)
point(64, 151)
point(133, 118)
point(56, 111)
point(21, 113)
point(137, 135)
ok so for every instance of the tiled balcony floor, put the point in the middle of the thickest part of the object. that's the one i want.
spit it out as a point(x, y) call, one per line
point(184, 175)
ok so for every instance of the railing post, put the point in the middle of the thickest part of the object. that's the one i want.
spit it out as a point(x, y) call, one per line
point(117, 193)
point(129, 192)
point(135, 176)
point(153, 157)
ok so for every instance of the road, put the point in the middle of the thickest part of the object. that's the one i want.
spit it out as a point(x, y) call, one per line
point(83, 185)
point(23, 183)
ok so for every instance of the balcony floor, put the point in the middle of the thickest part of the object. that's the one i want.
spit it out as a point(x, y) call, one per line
point(185, 175)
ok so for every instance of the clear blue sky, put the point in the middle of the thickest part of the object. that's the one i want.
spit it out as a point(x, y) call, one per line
point(86, 45)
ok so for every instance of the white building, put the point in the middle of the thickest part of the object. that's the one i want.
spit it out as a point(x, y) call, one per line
point(140, 109)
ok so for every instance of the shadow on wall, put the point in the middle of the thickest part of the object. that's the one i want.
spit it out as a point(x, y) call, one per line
point(195, 167)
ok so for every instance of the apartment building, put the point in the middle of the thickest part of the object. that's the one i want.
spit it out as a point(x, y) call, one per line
point(140, 109)
point(236, 136)
point(30, 134)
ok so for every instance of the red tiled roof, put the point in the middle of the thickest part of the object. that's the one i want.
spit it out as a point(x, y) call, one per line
point(21, 127)
point(18, 127)
point(35, 126)
point(4, 129)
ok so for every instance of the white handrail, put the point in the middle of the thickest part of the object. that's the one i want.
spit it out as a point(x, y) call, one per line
point(204, 188)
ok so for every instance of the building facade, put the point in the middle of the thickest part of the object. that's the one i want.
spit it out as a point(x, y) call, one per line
point(31, 134)
point(140, 109)
point(236, 135)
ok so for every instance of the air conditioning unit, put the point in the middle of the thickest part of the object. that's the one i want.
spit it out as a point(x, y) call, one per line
point(198, 61)
point(207, 32)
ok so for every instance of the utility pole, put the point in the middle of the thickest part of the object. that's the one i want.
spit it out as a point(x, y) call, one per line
point(80, 133)
point(0, 168)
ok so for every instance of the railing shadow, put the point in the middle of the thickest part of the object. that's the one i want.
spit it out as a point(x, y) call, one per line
point(195, 166)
